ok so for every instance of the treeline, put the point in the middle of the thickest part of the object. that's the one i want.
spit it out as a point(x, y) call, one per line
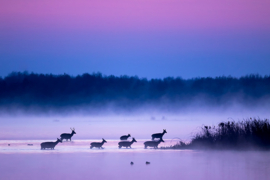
point(27, 89)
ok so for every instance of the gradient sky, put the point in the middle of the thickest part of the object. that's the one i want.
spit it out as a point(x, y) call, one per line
point(148, 38)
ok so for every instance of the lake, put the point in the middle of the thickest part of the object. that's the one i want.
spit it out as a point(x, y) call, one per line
point(74, 160)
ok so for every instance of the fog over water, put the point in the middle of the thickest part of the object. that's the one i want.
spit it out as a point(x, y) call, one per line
point(106, 124)
point(42, 106)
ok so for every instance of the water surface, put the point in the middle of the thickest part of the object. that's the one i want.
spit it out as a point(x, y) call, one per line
point(74, 160)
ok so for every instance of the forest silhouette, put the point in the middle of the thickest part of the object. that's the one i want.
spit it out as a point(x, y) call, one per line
point(30, 89)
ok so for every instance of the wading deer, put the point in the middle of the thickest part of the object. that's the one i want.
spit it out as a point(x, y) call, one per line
point(126, 143)
point(68, 136)
point(152, 143)
point(159, 135)
point(125, 137)
point(50, 145)
point(98, 144)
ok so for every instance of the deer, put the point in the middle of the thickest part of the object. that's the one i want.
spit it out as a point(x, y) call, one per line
point(50, 145)
point(68, 136)
point(98, 144)
point(153, 143)
point(124, 137)
point(158, 135)
point(126, 143)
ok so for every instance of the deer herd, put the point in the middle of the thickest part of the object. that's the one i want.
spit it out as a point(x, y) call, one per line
point(123, 143)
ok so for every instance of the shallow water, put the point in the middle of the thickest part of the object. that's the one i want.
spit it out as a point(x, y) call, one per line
point(74, 160)
point(74, 146)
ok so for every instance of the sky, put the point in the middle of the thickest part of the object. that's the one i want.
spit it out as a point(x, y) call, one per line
point(147, 38)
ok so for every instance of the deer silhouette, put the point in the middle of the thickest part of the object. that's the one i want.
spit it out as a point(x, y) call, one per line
point(124, 137)
point(98, 144)
point(126, 143)
point(50, 145)
point(68, 136)
point(153, 143)
point(159, 135)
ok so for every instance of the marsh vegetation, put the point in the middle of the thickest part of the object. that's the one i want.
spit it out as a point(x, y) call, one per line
point(253, 133)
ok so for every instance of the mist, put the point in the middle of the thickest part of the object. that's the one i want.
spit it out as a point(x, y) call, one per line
point(181, 125)
point(38, 106)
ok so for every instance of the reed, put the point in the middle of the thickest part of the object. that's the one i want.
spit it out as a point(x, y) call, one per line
point(253, 133)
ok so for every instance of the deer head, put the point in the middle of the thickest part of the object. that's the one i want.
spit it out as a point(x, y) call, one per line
point(164, 131)
point(73, 130)
point(104, 140)
point(134, 140)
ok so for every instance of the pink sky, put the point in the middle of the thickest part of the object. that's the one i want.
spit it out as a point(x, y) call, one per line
point(136, 15)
